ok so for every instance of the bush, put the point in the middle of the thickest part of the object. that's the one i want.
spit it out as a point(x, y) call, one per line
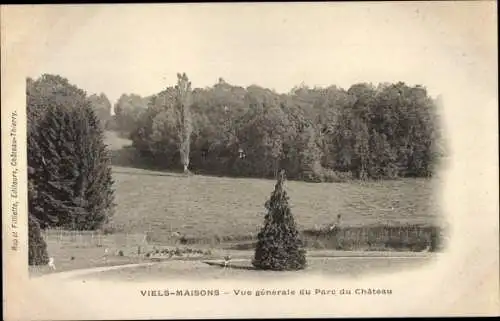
point(37, 248)
point(110, 228)
point(279, 246)
point(317, 244)
point(330, 176)
point(69, 166)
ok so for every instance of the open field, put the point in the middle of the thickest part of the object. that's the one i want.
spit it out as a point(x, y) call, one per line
point(160, 203)
point(225, 214)
point(213, 210)
point(203, 206)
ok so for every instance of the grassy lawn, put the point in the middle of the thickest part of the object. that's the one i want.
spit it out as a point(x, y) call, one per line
point(151, 205)
point(203, 206)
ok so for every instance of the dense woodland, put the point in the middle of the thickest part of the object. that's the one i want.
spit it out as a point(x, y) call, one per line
point(315, 134)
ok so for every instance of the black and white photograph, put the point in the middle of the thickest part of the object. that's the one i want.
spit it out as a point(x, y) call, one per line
point(252, 144)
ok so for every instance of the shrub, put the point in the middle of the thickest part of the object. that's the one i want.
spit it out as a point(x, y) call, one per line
point(109, 228)
point(320, 174)
point(37, 248)
point(69, 166)
point(332, 176)
point(279, 246)
point(317, 244)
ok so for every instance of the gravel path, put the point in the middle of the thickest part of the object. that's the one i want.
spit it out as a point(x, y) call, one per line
point(88, 271)
point(82, 272)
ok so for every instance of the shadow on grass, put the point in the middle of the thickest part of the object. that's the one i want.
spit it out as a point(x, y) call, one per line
point(147, 174)
point(127, 157)
point(231, 266)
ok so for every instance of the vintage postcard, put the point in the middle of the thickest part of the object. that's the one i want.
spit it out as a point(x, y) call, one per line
point(237, 160)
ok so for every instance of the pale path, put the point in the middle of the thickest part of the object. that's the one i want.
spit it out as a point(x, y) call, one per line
point(80, 272)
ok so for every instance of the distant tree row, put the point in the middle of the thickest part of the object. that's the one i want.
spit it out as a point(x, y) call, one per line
point(315, 134)
point(69, 173)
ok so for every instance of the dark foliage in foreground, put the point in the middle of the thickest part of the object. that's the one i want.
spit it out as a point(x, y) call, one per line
point(69, 166)
point(37, 248)
point(279, 246)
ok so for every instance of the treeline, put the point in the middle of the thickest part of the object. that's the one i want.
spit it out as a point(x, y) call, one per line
point(315, 134)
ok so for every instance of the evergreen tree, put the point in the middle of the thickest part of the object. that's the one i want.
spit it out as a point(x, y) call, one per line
point(37, 248)
point(69, 167)
point(279, 246)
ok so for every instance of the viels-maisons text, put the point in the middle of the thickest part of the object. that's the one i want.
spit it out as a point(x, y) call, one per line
point(166, 292)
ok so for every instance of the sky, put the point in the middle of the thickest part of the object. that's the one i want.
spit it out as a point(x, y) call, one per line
point(118, 49)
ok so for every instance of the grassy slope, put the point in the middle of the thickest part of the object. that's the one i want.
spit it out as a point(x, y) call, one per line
point(206, 206)
point(203, 206)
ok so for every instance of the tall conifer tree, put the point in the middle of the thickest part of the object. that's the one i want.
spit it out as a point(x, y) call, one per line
point(279, 246)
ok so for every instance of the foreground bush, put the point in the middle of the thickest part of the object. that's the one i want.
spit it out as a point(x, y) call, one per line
point(69, 166)
point(279, 246)
point(37, 248)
